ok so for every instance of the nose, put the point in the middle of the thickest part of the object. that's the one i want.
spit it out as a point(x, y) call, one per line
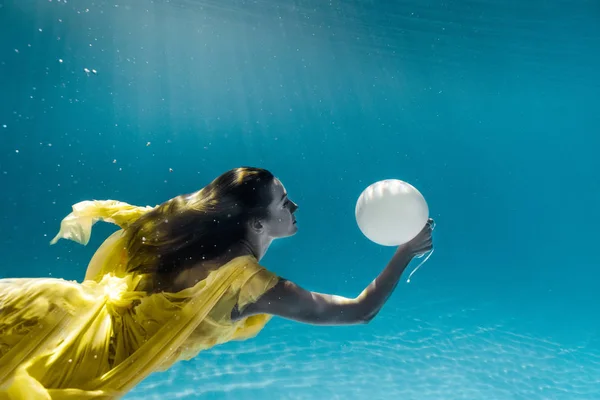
point(293, 207)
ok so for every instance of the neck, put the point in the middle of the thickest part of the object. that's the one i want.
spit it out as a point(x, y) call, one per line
point(255, 245)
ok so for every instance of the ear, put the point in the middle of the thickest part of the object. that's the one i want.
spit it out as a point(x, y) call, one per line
point(256, 225)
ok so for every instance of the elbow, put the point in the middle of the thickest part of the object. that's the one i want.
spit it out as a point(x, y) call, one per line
point(364, 313)
point(348, 318)
point(368, 317)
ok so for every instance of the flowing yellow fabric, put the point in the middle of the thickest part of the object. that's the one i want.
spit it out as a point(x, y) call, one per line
point(98, 339)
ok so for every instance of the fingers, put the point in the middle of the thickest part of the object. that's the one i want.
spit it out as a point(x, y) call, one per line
point(423, 242)
point(428, 228)
point(431, 223)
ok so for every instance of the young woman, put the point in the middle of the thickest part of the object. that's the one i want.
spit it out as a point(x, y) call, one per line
point(174, 280)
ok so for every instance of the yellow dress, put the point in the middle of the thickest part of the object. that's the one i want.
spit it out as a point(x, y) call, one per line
point(98, 339)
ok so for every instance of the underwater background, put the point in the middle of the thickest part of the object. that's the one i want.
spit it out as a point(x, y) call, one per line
point(491, 109)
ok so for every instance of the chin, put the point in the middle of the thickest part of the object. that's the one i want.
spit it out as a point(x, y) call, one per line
point(293, 230)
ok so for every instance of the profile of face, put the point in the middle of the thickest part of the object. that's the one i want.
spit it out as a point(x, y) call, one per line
point(280, 221)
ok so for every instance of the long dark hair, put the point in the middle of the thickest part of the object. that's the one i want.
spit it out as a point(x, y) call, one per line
point(200, 225)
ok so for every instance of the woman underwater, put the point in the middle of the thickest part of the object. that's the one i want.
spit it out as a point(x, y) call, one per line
point(176, 279)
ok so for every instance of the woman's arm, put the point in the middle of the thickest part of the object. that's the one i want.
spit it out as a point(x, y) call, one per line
point(290, 301)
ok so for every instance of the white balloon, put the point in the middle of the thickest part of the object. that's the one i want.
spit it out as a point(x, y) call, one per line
point(391, 212)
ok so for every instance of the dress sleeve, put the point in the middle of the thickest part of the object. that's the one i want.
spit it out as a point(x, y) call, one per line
point(259, 280)
point(77, 226)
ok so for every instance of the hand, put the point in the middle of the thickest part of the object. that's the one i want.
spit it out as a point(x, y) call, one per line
point(422, 243)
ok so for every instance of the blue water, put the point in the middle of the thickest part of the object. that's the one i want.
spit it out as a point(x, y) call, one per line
point(490, 108)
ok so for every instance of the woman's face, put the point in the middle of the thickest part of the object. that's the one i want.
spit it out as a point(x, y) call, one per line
point(280, 221)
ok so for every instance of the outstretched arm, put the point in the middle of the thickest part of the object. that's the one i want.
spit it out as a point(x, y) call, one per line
point(289, 300)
